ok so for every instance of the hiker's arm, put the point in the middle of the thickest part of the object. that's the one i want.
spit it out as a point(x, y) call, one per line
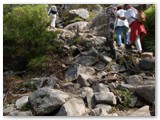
point(122, 18)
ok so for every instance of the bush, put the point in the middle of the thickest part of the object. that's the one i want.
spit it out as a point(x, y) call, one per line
point(25, 35)
point(149, 41)
point(125, 99)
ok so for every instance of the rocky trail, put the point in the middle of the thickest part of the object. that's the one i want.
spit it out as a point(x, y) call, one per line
point(87, 81)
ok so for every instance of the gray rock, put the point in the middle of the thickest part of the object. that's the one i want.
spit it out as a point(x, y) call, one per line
point(46, 100)
point(66, 47)
point(67, 85)
point(86, 60)
point(106, 107)
point(149, 82)
point(100, 88)
point(74, 107)
point(100, 65)
point(82, 80)
point(77, 86)
point(118, 67)
point(99, 112)
point(76, 69)
point(98, 9)
point(152, 109)
point(101, 74)
point(45, 82)
point(86, 90)
point(112, 85)
point(98, 24)
point(144, 111)
point(99, 41)
point(105, 98)
point(135, 80)
point(20, 113)
point(133, 101)
point(113, 114)
point(21, 102)
point(147, 64)
point(90, 100)
point(145, 55)
point(9, 108)
point(129, 87)
point(146, 92)
point(83, 13)
point(105, 59)
point(66, 34)
point(76, 26)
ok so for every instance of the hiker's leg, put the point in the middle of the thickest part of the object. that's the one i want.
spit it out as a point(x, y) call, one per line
point(138, 44)
point(53, 23)
point(118, 33)
point(125, 32)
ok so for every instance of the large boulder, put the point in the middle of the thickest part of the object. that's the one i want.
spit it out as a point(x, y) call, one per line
point(76, 69)
point(21, 102)
point(142, 112)
point(100, 88)
point(99, 24)
point(147, 64)
point(83, 13)
point(46, 100)
point(134, 80)
point(45, 82)
point(86, 60)
point(82, 80)
point(74, 107)
point(73, 27)
point(65, 34)
point(21, 113)
point(106, 107)
point(146, 92)
point(105, 98)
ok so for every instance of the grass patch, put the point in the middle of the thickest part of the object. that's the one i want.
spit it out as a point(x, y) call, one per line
point(125, 99)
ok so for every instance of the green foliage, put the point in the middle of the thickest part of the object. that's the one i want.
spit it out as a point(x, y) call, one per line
point(92, 14)
point(125, 99)
point(149, 41)
point(25, 35)
point(26, 106)
point(38, 62)
point(68, 18)
point(76, 20)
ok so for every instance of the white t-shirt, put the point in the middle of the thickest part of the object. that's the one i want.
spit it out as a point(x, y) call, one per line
point(119, 22)
point(131, 15)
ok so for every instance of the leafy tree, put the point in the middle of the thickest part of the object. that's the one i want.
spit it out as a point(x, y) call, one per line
point(25, 33)
point(149, 41)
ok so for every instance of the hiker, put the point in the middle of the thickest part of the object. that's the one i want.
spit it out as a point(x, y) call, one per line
point(121, 26)
point(138, 30)
point(53, 14)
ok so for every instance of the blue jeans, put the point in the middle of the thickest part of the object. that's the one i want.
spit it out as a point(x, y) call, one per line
point(119, 30)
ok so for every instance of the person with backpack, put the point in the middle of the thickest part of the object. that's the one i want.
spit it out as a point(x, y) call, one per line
point(121, 26)
point(53, 14)
point(135, 19)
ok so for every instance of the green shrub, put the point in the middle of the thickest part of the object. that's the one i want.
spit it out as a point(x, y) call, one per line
point(149, 41)
point(25, 35)
point(26, 106)
point(125, 99)
point(38, 62)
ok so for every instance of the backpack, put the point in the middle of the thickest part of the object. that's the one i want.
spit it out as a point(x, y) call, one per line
point(141, 16)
